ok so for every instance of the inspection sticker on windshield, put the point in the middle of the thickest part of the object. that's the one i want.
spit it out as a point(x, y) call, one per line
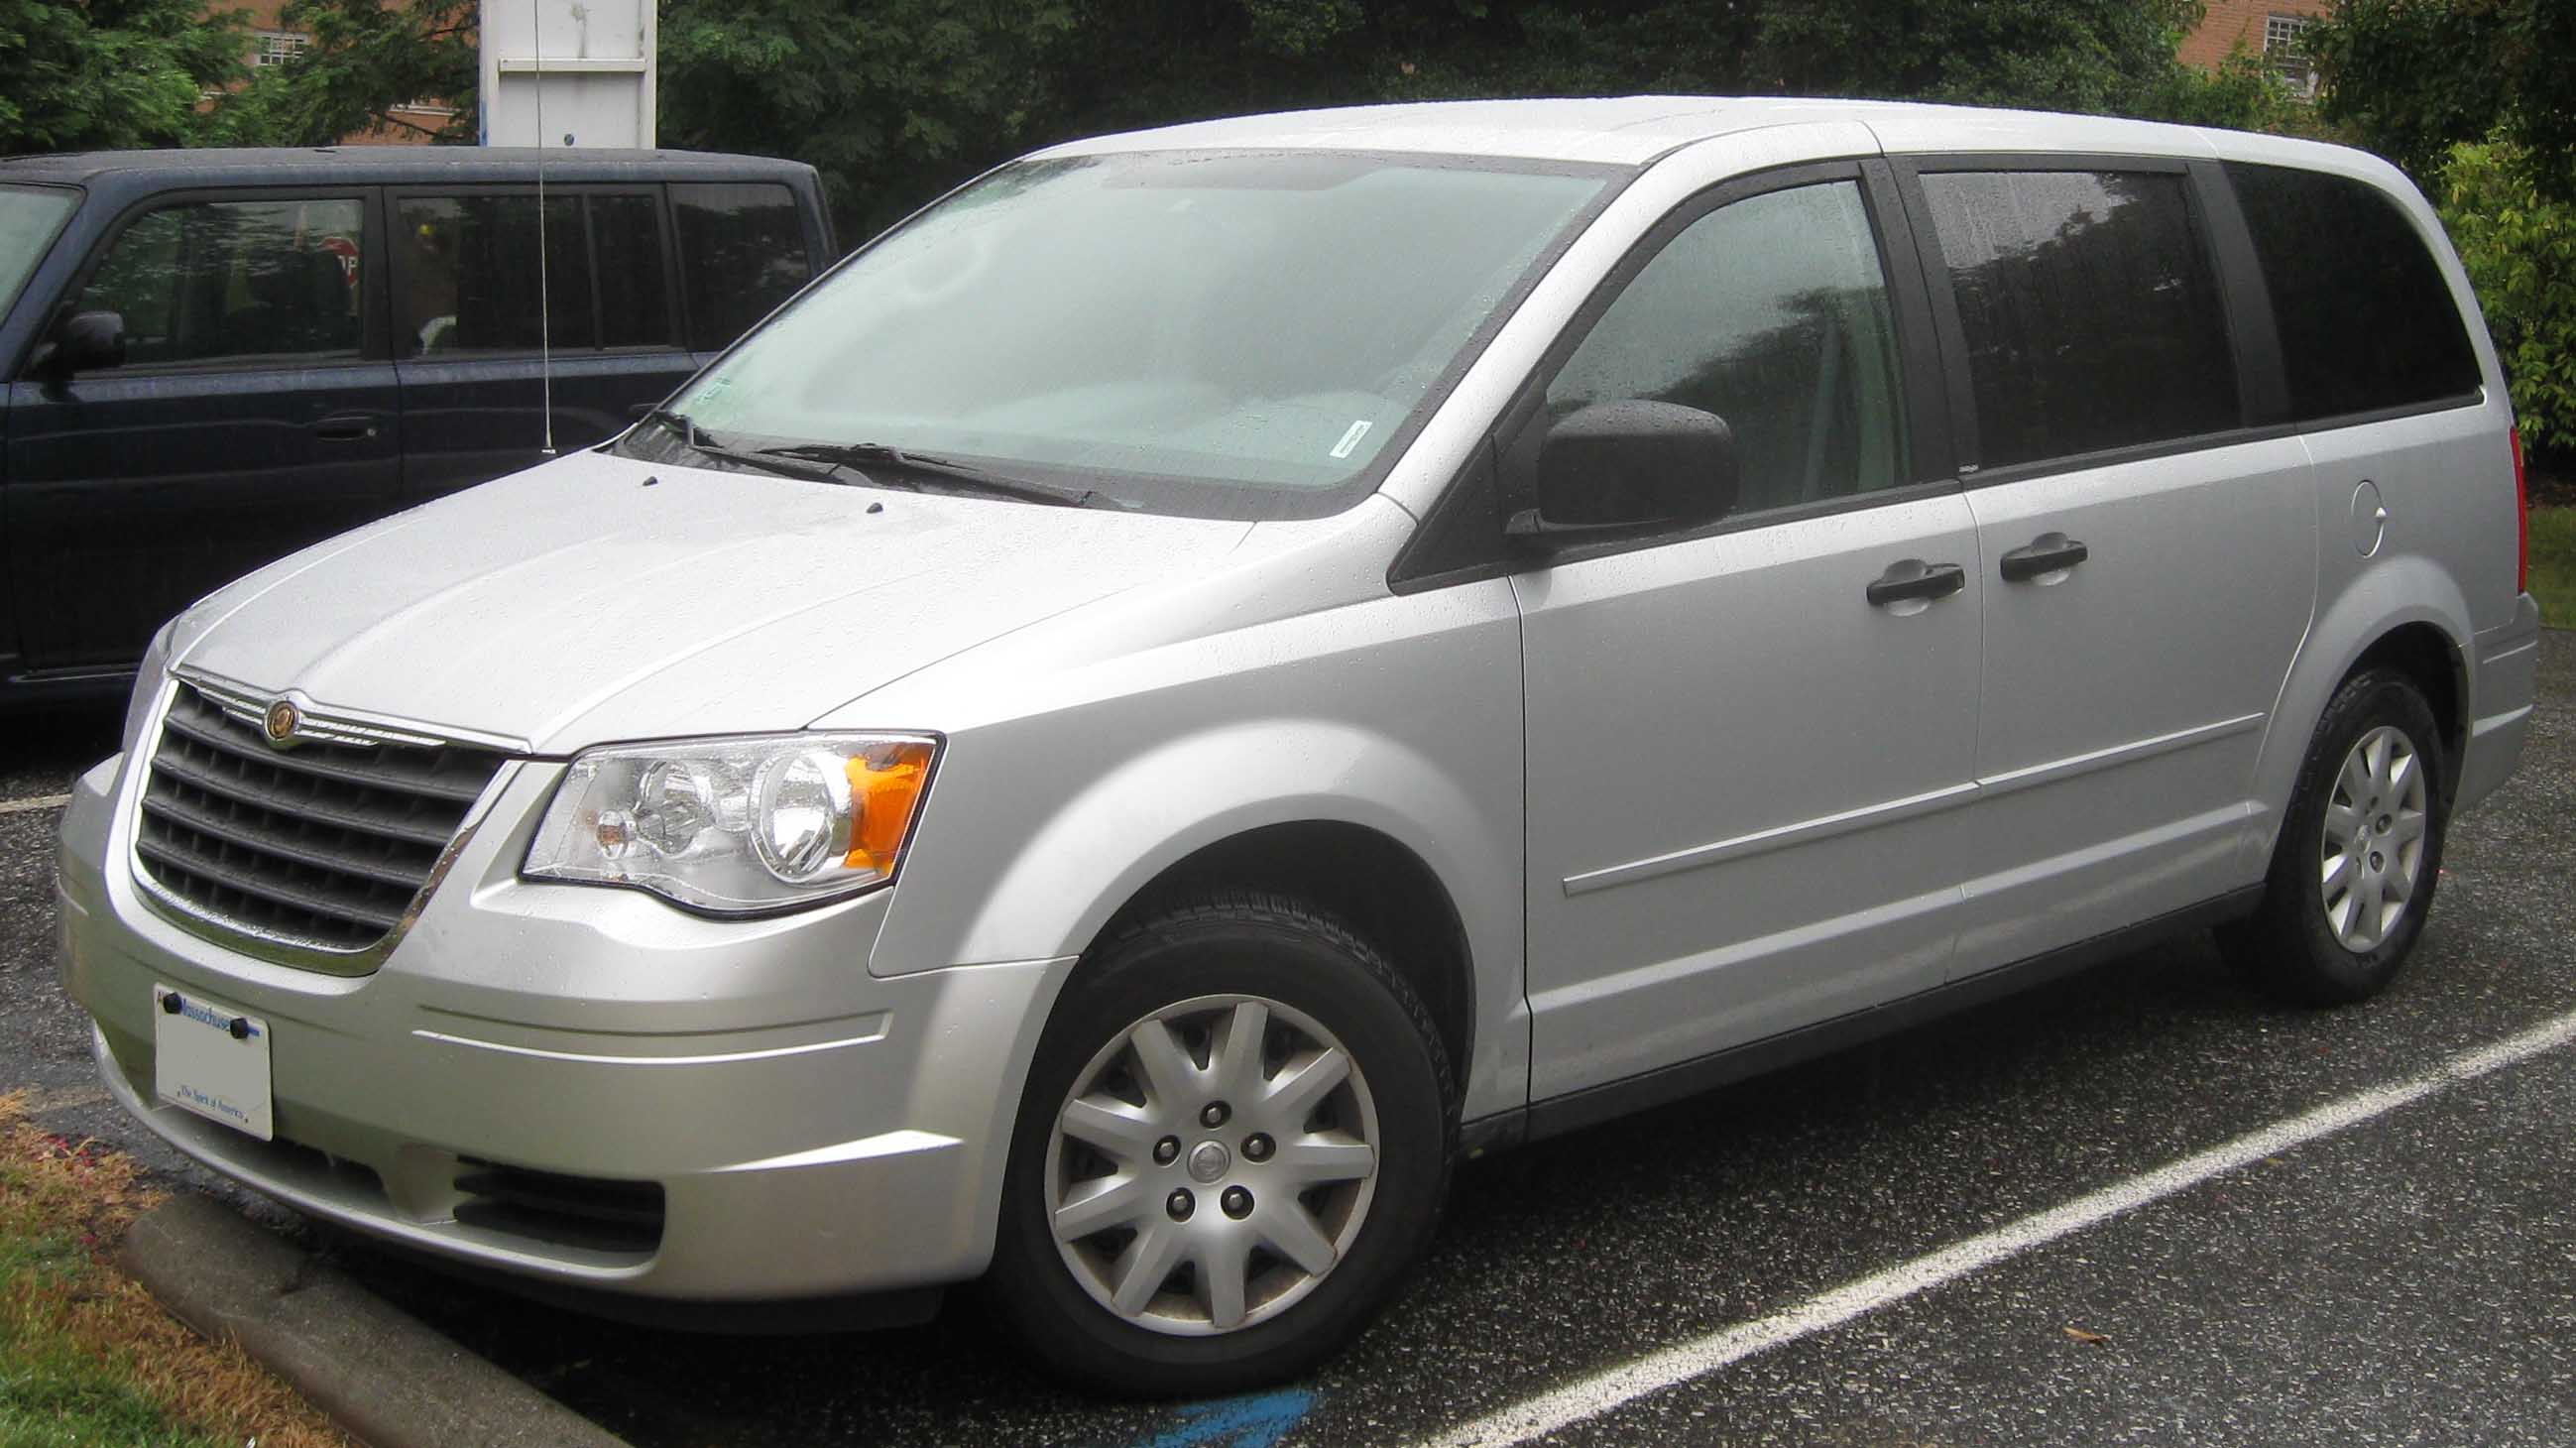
point(211, 1059)
point(1351, 439)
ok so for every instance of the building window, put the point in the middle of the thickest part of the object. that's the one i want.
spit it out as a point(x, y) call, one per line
point(2285, 45)
point(277, 47)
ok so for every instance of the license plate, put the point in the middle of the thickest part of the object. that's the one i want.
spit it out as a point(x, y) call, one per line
point(211, 1059)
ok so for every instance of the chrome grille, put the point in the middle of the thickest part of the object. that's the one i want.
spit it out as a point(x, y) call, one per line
point(322, 845)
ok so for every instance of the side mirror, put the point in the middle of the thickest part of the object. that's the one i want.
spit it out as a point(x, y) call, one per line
point(1621, 469)
point(85, 342)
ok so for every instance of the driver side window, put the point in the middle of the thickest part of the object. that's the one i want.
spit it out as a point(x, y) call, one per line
point(1773, 314)
point(218, 281)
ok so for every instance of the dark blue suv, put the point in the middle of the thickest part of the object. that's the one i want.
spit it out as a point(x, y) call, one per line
point(217, 357)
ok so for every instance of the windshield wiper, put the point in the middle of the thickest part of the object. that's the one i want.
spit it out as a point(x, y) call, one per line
point(875, 458)
point(698, 440)
point(685, 427)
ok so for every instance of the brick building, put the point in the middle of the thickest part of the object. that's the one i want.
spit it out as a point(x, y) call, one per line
point(273, 43)
point(2269, 28)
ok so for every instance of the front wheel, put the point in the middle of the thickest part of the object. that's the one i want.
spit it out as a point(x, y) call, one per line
point(1234, 1141)
point(2360, 851)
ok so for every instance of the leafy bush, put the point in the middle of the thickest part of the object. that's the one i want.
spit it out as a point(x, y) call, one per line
point(2520, 250)
point(2244, 93)
point(2413, 77)
point(2553, 565)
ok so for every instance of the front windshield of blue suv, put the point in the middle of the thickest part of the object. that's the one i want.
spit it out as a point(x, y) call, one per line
point(1217, 333)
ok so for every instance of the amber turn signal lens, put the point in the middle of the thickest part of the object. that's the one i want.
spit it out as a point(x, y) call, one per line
point(886, 781)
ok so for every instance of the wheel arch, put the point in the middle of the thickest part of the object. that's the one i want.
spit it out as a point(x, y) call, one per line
point(2439, 667)
point(2407, 614)
point(1420, 853)
point(1364, 878)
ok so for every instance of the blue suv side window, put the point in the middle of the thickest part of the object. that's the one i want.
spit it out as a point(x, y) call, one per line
point(468, 282)
point(742, 252)
point(208, 281)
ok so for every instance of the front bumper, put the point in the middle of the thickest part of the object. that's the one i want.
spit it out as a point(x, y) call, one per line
point(813, 1130)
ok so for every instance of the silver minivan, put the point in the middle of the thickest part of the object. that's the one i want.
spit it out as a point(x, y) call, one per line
point(1214, 671)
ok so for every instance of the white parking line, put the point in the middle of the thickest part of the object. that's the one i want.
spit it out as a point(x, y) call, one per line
point(1605, 1391)
point(42, 801)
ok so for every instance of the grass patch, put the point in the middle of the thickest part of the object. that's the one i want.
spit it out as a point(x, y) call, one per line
point(2553, 565)
point(86, 1357)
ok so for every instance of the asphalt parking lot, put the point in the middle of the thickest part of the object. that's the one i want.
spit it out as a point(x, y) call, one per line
point(2255, 1239)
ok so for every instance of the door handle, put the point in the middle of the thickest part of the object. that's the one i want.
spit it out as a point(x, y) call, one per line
point(2048, 553)
point(345, 427)
point(1911, 580)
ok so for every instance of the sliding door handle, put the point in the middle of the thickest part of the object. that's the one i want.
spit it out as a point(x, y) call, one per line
point(2048, 553)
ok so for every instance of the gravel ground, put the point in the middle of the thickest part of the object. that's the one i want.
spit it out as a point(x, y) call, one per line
point(2409, 1280)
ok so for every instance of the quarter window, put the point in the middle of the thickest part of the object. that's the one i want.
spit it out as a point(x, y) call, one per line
point(1773, 314)
point(742, 252)
point(218, 280)
point(2367, 322)
point(2089, 308)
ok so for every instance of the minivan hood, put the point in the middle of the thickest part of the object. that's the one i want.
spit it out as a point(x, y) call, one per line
point(595, 598)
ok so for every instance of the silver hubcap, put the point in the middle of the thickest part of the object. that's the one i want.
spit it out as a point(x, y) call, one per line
point(1211, 1165)
point(2373, 850)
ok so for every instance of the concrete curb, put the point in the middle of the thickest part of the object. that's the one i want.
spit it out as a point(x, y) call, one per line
point(383, 1376)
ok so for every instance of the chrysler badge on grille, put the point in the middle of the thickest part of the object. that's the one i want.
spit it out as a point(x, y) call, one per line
point(281, 721)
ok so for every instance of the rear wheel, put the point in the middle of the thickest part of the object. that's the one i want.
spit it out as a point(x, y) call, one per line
point(2360, 851)
point(1235, 1140)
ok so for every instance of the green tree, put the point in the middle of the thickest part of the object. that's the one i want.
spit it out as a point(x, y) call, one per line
point(892, 100)
point(895, 100)
point(1134, 61)
point(2413, 78)
point(2520, 250)
point(2101, 56)
point(105, 73)
point(366, 58)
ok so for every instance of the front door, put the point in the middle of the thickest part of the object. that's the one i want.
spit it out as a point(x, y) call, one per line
point(253, 415)
point(1745, 765)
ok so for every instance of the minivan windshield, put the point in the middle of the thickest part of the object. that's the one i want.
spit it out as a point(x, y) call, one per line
point(1226, 334)
point(29, 216)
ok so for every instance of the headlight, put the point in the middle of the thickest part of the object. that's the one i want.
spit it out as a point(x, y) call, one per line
point(147, 685)
point(737, 826)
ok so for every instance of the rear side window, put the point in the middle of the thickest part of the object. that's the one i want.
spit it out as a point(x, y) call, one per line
point(212, 281)
point(468, 281)
point(2367, 322)
point(742, 252)
point(2089, 307)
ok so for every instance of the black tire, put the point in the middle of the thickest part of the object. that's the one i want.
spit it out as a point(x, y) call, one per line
point(2288, 948)
point(1278, 949)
